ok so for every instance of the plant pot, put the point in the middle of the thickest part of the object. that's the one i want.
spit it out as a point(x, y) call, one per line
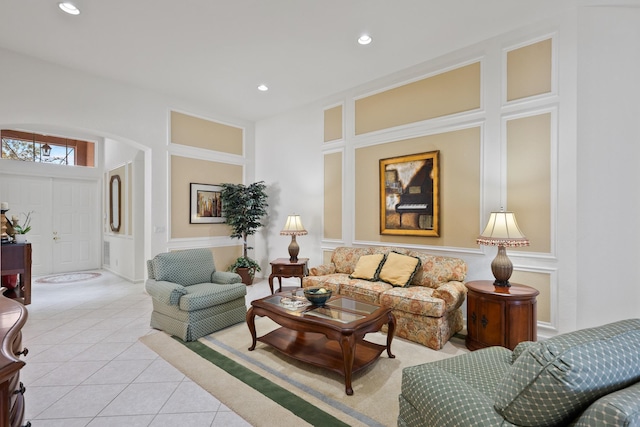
point(247, 277)
point(20, 238)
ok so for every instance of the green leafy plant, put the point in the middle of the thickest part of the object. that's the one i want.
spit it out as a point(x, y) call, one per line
point(244, 207)
point(245, 262)
point(26, 227)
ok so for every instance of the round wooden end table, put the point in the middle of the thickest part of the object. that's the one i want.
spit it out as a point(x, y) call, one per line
point(503, 316)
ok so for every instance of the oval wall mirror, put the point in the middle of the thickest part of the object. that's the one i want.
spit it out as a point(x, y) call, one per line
point(114, 202)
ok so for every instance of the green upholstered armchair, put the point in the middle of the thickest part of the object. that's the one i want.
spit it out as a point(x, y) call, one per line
point(589, 377)
point(190, 298)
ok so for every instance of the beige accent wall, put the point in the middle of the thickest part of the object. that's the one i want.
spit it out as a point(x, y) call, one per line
point(326, 257)
point(124, 185)
point(184, 171)
point(541, 282)
point(333, 196)
point(529, 178)
point(223, 256)
point(447, 93)
point(529, 70)
point(206, 134)
point(333, 124)
point(459, 187)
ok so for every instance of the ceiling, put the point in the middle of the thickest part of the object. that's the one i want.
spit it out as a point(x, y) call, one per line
point(215, 53)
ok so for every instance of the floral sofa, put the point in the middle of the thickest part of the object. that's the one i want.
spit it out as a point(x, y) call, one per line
point(427, 308)
point(584, 378)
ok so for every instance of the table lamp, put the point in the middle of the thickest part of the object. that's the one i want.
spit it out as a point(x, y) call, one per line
point(293, 228)
point(502, 230)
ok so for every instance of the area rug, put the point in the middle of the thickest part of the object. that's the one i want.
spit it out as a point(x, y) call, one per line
point(268, 388)
point(68, 277)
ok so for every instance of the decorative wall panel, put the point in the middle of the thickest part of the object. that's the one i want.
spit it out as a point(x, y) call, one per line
point(206, 134)
point(333, 124)
point(529, 70)
point(446, 93)
point(333, 196)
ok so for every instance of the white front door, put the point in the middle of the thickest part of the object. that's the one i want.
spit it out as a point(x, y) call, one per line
point(65, 220)
point(75, 231)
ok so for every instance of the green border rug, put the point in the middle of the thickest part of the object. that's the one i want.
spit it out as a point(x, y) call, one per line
point(267, 388)
point(278, 394)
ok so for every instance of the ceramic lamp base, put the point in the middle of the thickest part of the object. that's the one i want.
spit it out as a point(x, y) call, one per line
point(294, 249)
point(501, 267)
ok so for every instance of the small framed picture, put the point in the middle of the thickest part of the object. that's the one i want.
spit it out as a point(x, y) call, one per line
point(206, 204)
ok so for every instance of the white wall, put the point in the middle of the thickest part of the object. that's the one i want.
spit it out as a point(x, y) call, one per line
point(126, 250)
point(291, 164)
point(608, 172)
point(36, 94)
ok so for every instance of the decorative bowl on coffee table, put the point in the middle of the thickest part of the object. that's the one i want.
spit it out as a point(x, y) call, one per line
point(317, 296)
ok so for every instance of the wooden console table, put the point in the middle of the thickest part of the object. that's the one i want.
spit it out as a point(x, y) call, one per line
point(15, 258)
point(282, 267)
point(502, 316)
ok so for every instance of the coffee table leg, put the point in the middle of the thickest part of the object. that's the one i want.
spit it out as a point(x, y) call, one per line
point(348, 344)
point(390, 331)
point(252, 327)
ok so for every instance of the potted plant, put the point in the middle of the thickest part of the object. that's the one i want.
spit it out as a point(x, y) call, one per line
point(21, 230)
point(243, 208)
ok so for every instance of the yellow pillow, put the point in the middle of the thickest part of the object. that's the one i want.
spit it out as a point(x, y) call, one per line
point(398, 269)
point(368, 267)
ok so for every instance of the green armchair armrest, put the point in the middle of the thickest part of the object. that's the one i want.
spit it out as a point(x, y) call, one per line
point(225, 277)
point(166, 292)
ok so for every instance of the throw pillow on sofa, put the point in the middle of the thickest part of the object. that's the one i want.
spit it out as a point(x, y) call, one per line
point(368, 267)
point(554, 380)
point(398, 269)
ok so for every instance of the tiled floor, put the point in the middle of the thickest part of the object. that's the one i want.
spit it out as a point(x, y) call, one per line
point(85, 366)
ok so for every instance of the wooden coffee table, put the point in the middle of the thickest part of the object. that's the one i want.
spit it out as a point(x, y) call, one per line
point(330, 336)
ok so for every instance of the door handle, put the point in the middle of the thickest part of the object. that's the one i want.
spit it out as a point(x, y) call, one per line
point(55, 236)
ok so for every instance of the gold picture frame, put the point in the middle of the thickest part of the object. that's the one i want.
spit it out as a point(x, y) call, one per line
point(409, 195)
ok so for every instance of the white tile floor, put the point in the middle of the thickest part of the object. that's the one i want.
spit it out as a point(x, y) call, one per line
point(85, 366)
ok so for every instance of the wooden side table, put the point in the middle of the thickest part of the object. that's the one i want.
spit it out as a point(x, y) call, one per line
point(503, 316)
point(15, 258)
point(282, 267)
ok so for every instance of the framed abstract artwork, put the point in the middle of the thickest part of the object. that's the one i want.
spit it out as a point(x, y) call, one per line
point(206, 204)
point(409, 189)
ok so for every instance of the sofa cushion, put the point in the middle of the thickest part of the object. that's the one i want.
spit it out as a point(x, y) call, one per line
point(398, 269)
point(205, 295)
point(554, 380)
point(620, 408)
point(364, 290)
point(436, 270)
point(186, 267)
point(345, 258)
point(368, 267)
point(415, 300)
point(455, 391)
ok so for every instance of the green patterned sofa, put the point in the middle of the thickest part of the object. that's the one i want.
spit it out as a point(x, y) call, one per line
point(584, 378)
point(427, 311)
point(190, 298)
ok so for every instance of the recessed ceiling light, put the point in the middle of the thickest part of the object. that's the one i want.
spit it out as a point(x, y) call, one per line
point(69, 8)
point(365, 39)
point(263, 88)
